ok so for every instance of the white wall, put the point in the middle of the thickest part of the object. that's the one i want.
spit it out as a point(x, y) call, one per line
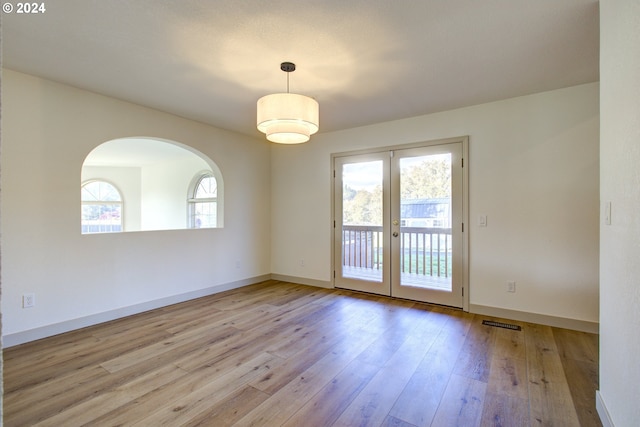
point(164, 193)
point(48, 130)
point(533, 171)
point(620, 185)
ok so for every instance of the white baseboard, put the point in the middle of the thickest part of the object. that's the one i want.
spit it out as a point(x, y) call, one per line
point(303, 281)
point(523, 316)
point(17, 338)
point(94, 319)
point(605, 418)
point(541, 319)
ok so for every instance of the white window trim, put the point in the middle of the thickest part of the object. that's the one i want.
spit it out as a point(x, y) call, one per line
point(120, 202)
point(192, 200)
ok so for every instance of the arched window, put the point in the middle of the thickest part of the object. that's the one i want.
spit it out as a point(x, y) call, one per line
point(203, 201)
point(101, 208)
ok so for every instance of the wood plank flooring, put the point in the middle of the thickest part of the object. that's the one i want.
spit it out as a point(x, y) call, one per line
point(281, 354)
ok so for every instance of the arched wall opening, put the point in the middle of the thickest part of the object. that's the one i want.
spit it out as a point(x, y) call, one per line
point(155, 178)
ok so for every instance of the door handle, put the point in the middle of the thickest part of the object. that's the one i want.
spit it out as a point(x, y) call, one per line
point(395, 234)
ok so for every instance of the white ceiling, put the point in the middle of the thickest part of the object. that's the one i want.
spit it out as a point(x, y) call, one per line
point(137, 152)
point(365, 61)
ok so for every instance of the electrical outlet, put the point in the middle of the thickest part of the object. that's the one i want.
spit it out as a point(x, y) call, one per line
point(511, 286)
point(301, 263)
point(28, 300)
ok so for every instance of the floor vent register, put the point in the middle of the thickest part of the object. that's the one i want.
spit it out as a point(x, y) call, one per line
point(501, 325)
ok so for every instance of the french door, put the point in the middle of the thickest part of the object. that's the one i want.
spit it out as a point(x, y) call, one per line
point(398, 222)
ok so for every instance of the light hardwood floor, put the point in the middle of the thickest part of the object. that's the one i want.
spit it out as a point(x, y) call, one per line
point(277, 354)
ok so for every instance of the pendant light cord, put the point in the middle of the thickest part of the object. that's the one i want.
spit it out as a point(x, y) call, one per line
point(288, 67)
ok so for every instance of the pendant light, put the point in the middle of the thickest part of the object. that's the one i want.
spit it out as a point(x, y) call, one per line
point(288, 118)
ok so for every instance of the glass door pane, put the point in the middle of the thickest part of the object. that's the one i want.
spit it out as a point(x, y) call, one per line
point(425, 221)
point(362, 238)
point(361, 200)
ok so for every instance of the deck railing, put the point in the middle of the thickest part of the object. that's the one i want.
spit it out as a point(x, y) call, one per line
point(426, 251)
point(362, 246)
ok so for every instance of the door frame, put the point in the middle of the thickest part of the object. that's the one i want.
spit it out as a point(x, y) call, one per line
point(464, 140)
